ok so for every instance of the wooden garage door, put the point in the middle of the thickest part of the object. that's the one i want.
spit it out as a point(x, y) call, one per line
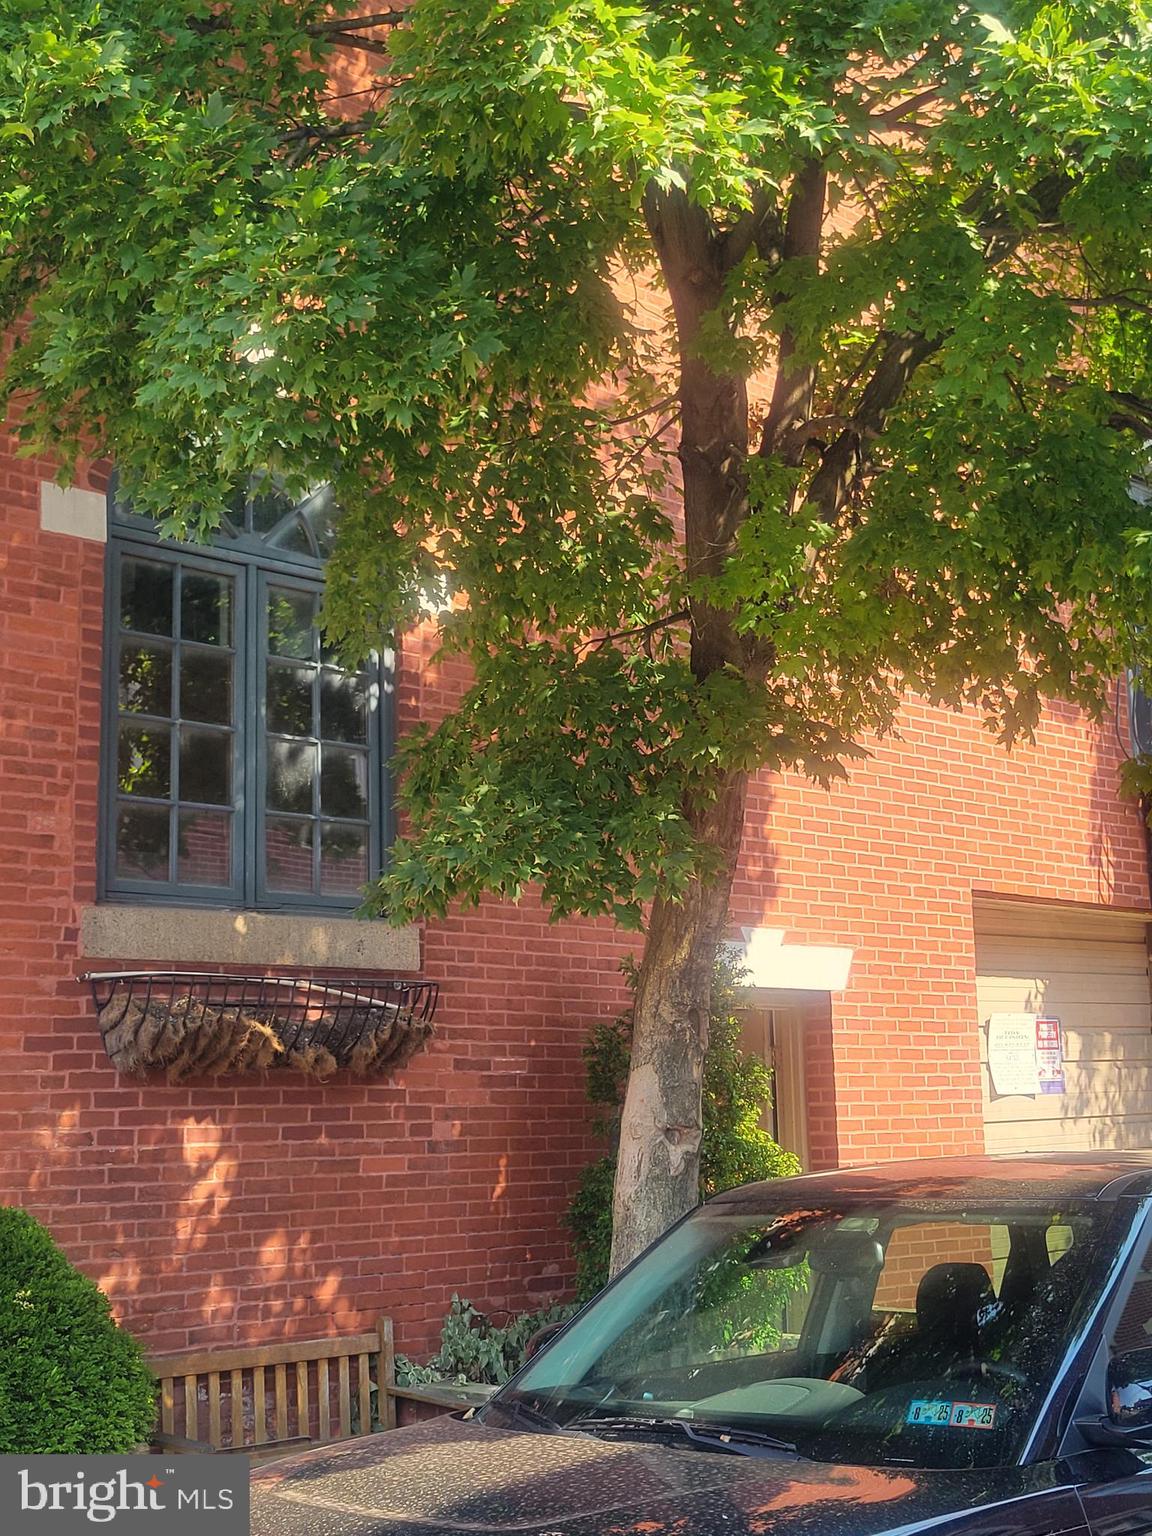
point(1089, 970)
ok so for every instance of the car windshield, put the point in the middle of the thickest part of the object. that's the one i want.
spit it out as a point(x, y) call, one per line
point(918, 1334)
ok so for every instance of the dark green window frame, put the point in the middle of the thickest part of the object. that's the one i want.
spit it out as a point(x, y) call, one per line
point(305, 745)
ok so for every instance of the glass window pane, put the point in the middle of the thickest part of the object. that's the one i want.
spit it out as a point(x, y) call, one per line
point(343, 859)
point(269, 506)
point(290, 700)
point(294, 537)
point(206, 687)
point(288, 852)
point(343, 782)
point(205, 766)
point(144, 760)
point(291, 622)
point(142, 842)
point(344, 705)
point(291, 775)
point(204, 848)
point(146, 680)
point(206, 608)
point(322, 512)
point(146, 596)
point(237, 504)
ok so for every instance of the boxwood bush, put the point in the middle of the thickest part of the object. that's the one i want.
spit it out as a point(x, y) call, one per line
point(71, 1380)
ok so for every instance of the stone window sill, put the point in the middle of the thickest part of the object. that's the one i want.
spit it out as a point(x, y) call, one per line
point(174, 936)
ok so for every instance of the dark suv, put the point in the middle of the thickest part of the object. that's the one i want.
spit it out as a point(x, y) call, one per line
point(955, 1346)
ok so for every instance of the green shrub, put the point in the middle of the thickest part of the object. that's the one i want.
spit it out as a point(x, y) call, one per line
point(590, 1222)
point(70, 1379)
point(735, 1148)
point(474, 1348)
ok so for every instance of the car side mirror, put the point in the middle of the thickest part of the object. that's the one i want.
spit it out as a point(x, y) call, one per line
point(1128, 1420)
point(541, 1337)
point(1130, 1390)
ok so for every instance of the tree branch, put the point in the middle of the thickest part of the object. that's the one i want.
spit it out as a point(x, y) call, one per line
point(893, 115)
point(843, 462)
point(653, 437)
point(794, 439)
point(356, 23)
point(1132, 414)
point(735, 243)
point(308, 136)
point(794, 387)
point(597, 642)
point(1001, 236)
point(909, 73)
point(1108, 301)
point(336, 130)
point(649, 410)
point(1135, 414)
point(858, 372)
point(351, 40)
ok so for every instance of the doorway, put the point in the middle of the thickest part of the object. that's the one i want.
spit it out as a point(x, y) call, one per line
point(775, 1033)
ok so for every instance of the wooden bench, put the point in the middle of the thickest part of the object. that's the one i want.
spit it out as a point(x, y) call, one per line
point(272, 1398)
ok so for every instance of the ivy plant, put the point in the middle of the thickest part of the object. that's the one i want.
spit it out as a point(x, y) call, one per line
point(735, 1148)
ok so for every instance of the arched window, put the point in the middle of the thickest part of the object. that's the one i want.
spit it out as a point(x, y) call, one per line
point(242, 767)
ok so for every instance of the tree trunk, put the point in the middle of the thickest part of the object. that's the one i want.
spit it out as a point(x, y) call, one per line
point(658, 1164)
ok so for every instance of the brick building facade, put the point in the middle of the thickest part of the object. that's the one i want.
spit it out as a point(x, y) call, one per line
point(252, 1207)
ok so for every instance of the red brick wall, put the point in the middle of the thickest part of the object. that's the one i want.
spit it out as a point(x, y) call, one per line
point(913, 1250)
point(888, 863)
point(244, 1210)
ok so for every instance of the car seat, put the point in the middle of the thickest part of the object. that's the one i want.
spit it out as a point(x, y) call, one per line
point(953, 1303)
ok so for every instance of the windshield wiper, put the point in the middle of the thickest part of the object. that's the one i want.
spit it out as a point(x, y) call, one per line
point(735, 1439)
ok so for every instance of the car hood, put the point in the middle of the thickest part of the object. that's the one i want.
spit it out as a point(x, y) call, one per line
point(451, 1476)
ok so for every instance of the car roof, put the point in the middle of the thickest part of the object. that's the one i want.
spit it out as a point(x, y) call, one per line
point(1022, 1177)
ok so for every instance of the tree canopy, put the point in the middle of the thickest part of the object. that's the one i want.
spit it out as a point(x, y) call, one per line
point(451, 307)
point(722, 370)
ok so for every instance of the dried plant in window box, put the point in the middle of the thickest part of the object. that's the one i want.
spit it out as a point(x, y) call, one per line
point(190, 1024)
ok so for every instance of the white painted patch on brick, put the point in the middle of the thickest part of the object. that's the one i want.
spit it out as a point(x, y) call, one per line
point(772, 963)
point(75, 513)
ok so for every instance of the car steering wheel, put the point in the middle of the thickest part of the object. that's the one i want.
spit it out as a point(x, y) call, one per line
point(981, 1368)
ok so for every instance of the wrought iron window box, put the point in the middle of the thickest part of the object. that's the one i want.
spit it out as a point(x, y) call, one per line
point(196, 1024)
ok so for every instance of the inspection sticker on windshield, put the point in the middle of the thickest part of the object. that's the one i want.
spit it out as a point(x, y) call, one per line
point(952, 1415)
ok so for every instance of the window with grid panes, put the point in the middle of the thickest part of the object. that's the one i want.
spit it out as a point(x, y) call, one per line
point(243, 765)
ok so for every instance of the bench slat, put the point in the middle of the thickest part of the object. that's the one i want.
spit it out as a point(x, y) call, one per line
point(236, 1421)
point(281, 1402)
point(325, 1404)
point(303, 1420)
point(345, 1398)
point(262, 1354)
point(364, 1393)
point(386, 1374)
point(259, 1404)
